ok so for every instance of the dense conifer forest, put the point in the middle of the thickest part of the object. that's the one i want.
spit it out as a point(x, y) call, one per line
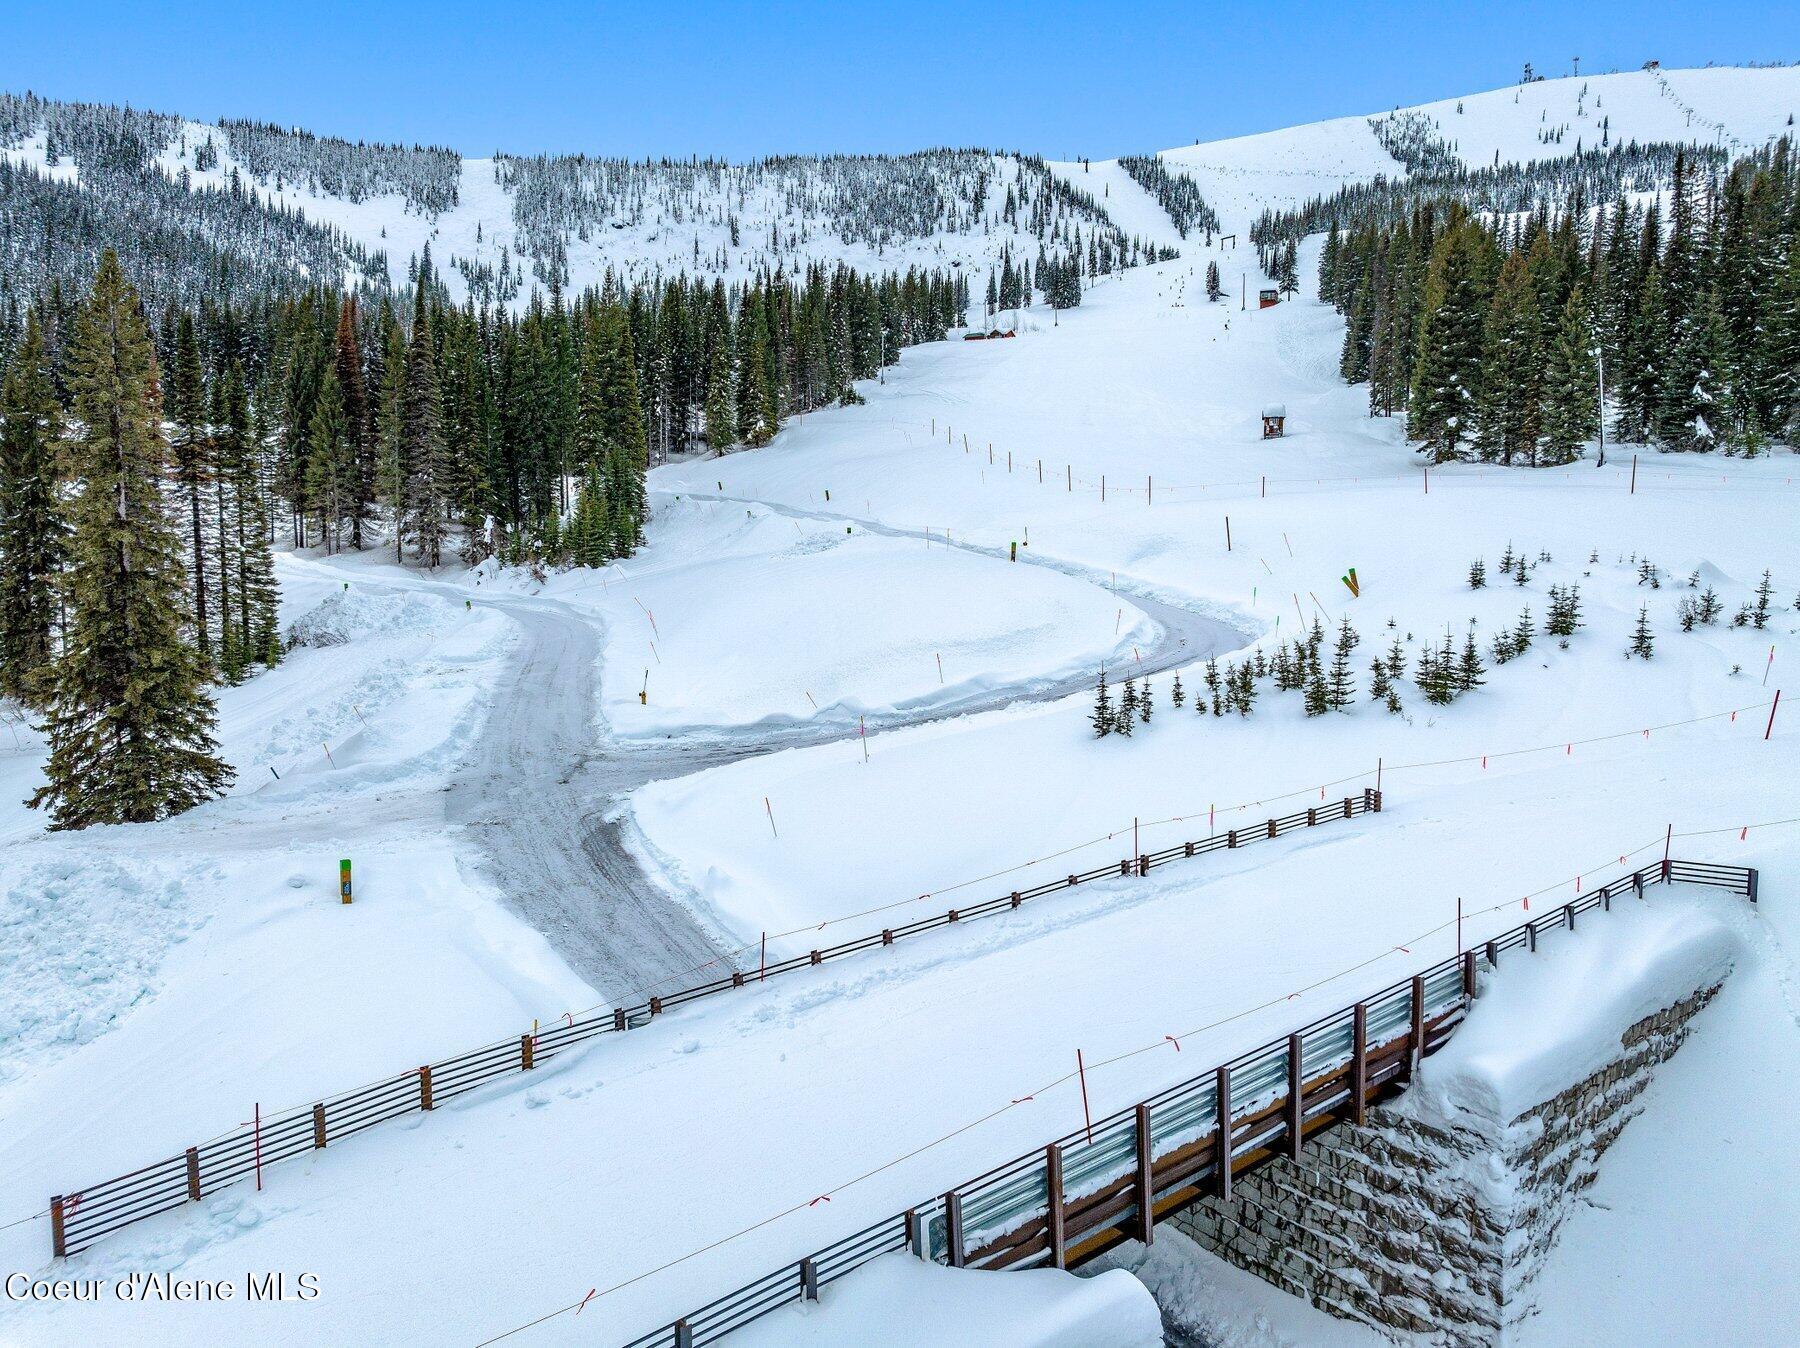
point(1486, 319)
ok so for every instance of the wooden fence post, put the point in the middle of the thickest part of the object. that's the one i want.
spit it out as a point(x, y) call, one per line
point(1359, 1063)
point(1231, 837)
point(618, 1018)
point(1223, 1091)
point(1146, 1175)
point(809, 1280)
point(1469, 974)
point(193, 1173)
point(527, 1052)
point(1296, 1101)
point(1053, 1191)
point(1418, 1023)
point(58, 1236)
point(917, 1238)
point(953, 1228)
point(684, 1334)
point(1271, 828)
point(1312, 816)
point(425, 1087)
point(319, 1138)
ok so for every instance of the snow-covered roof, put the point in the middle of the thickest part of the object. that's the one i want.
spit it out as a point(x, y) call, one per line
point(1275, 410)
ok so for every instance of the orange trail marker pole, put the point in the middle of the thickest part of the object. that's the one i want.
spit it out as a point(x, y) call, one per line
point(1768, 667)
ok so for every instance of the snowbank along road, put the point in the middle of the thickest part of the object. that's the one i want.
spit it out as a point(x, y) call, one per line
point(540, 788)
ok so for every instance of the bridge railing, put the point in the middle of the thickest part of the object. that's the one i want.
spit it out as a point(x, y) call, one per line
point(1092, 1189)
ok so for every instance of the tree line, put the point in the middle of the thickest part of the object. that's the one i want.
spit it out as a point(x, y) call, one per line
point(1488, 331)
point(148, 468)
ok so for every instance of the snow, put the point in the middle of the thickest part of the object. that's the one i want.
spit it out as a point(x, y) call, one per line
point(1218, 1304)
point(1736, 108)
point(212, 951)
point(1038, 1308)
point(1542, 1025)
point(199, 967)
point(741, 617)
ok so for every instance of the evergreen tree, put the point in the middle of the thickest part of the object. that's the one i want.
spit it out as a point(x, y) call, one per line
point(1441, 409)
point(33, 532)
point(1571, 415)
point(191, 458)
point(721, 400)
point(1102, 719)
point(1340, 687)
point(1128, 709)
point(1643, 641)
point(360, 486)
point(422, 440)
point(1511, 368)
point(129, 721)
point(330, 465)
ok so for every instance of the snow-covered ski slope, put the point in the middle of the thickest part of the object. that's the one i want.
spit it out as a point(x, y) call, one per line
point(942, 209)
point(1734, 108)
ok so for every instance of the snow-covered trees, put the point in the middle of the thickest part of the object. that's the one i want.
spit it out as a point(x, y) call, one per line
point(1177, 194)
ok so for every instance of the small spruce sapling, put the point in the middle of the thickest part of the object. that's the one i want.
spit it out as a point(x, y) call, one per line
point(1759, 616)
point(1643, 640)
point(1478, 575)
point(1102, 719)
point(1128, 709)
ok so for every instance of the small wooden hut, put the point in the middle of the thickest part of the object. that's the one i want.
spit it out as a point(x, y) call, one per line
point(1274, 421)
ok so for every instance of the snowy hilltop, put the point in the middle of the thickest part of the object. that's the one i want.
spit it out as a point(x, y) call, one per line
point(275, 206)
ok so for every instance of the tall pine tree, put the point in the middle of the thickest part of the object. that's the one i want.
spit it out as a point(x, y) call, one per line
point(129, 720)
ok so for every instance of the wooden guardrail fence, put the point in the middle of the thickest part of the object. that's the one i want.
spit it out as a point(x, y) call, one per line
point(82, 1216)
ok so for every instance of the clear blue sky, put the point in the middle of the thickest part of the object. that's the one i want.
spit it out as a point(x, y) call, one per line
point(741, 79)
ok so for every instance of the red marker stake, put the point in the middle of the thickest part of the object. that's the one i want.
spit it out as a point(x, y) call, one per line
point(1081, 1070)
point(1769, 729)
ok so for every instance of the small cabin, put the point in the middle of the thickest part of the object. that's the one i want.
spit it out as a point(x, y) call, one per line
point(1267, 299)
point(1274, 421)
point(974, 336)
